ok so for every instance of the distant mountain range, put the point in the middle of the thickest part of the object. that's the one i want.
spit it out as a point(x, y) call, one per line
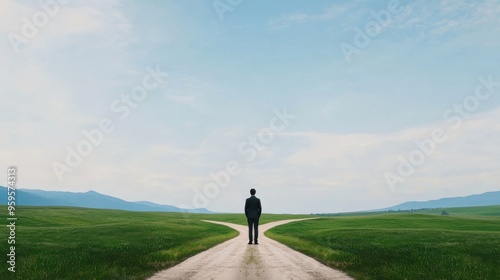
point(485, 199)
point(90, 199)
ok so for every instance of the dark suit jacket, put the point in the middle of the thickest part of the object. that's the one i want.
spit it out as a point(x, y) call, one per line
point(253, 209)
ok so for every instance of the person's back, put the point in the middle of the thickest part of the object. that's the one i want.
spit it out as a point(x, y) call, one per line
point(253, 207)
point(253, 210)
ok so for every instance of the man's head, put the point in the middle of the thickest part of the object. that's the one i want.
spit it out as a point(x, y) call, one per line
point(252, 191)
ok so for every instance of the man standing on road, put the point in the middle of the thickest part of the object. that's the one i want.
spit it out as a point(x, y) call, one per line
point(253, 209)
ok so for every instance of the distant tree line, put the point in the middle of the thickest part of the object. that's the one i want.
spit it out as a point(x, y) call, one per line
point(411, 210)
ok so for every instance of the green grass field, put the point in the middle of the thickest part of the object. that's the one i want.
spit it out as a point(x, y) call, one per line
point(76, 243)
point(464, 245)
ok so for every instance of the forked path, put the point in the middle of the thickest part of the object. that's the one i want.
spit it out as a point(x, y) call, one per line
point(235, 260)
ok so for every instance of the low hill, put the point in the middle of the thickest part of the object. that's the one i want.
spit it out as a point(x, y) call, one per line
point(485, 199)
point(90, 199)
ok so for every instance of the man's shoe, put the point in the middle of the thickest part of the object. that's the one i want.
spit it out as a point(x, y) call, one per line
point(250, 243)
point(256, 243)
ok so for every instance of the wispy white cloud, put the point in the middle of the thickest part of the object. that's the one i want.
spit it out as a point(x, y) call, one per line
point(329, 162)
point(444, 26)
point(101, 23)
point(286, 20)
point(456, 18)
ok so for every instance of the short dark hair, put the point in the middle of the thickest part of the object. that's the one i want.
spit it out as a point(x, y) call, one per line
point(252, 191)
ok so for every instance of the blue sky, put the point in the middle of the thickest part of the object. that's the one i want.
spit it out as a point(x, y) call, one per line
point(356, 118)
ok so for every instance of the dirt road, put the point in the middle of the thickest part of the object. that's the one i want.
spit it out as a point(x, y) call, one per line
point(236, 260)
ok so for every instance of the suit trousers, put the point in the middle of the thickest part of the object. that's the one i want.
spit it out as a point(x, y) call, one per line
point(253, 225)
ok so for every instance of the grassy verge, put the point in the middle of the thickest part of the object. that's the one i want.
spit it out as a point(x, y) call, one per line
point(400, 246)
point(73, 243)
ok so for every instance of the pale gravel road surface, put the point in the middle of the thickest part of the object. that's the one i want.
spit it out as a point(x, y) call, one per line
point(236, 260)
